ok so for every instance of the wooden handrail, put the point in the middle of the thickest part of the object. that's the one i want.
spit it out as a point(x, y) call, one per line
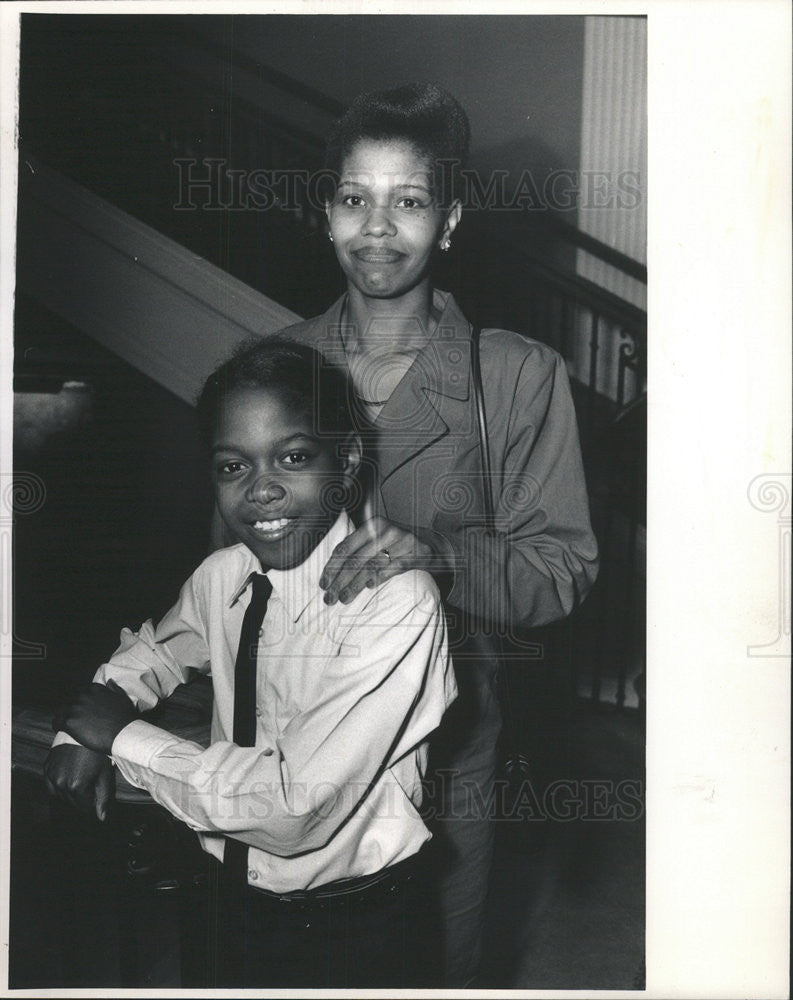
point(583, 241)
point(161, 308)
point(593, 296)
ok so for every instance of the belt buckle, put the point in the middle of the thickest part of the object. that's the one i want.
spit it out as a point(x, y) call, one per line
point(299, 896)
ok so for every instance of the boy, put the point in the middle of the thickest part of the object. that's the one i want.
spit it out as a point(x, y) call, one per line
point(308, 792)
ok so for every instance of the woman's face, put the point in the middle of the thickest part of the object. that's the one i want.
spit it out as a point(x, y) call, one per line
point(384, 220)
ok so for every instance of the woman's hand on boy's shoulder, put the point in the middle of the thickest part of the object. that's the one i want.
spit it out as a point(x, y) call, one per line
point(96, 716)
point(376, 551)
point(81, 777)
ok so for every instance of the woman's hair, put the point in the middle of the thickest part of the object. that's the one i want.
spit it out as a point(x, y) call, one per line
point(305, 380)
point(423, 114)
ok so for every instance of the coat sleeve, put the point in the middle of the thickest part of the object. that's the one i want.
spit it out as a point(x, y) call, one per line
point(542, 558)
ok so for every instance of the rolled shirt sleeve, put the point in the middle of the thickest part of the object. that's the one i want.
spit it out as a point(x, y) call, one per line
point(150, 663)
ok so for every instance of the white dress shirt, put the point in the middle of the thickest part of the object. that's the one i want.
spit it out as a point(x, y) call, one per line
point(346, 698)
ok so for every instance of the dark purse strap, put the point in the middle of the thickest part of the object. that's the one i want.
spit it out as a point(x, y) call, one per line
point(481, 419)
point(490, 519)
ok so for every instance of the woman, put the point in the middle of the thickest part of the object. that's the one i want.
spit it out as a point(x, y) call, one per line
point(408, 350)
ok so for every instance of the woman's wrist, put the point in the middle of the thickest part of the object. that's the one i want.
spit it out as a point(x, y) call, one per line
point(443, 559)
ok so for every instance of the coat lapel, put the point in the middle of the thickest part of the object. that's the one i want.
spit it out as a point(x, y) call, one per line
point(426, 429)
point(425, 437)
point(408, 424)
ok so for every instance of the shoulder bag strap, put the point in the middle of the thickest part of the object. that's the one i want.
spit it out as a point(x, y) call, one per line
point(484, 443)
point(487, 469)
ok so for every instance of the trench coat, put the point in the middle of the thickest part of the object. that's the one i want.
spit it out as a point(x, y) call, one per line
point(533, 569)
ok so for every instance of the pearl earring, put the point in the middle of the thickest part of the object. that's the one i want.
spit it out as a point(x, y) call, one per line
point(330, 237)
point(446, 245)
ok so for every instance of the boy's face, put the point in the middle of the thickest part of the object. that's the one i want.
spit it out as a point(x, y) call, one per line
point(274, 476)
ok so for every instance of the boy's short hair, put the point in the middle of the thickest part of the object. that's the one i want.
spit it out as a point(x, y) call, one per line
point(307, 382)
point(423, 114)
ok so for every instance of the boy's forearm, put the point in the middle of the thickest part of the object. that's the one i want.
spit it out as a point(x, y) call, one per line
point(292, 796)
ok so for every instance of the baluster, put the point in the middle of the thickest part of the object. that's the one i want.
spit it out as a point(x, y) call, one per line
point(565, 329)
point(634, 518)
point(621, 375)
point(641, 363)
point(533, 312)
point(603, 585)
point(601, 649)
point(628, 357)
point(629, 605)
point(545, 312)
point(594, 347)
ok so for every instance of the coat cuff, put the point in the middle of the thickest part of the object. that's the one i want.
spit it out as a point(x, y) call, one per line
point(446, 577)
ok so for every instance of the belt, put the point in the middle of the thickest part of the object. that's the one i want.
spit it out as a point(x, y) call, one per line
point(362, 887)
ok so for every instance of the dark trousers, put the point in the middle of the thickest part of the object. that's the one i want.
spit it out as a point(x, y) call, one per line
point(365, 938)
point(458, 811)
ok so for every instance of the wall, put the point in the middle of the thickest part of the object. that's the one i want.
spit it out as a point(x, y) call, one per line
point(614, 147)
point(518, 77)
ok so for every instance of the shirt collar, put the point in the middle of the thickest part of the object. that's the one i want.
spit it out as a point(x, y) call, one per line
point(297, 587)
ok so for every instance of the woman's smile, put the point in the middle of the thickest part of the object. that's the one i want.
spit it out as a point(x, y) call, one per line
point(377, 255)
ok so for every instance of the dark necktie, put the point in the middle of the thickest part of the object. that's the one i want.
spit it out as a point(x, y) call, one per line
point(235, 857)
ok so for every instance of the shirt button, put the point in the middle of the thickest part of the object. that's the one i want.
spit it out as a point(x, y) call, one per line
point(261, 631)
point(259, 712)
point(267, 752)
point(253, 875)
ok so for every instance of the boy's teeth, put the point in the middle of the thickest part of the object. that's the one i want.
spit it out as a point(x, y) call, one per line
point(271, 525)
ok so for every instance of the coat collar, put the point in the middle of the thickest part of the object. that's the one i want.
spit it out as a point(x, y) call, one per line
point(412, 418)
point(443, 364)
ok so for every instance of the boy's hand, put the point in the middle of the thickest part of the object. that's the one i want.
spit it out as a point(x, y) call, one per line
point(82, 777)
point(96, 716)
